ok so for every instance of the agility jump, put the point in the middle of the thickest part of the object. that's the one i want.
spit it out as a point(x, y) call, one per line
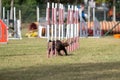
point(14, 25)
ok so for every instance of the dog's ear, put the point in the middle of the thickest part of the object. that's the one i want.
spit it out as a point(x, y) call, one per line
point(50, 41)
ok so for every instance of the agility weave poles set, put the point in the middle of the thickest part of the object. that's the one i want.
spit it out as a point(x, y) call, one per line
point(72, 34)
point(16, 24)
point(53, 28)
point(72, 26)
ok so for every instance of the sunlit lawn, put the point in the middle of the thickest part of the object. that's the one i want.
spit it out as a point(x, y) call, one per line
point(26, 59)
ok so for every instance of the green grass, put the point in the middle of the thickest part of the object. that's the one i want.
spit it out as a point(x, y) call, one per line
point(26, 59)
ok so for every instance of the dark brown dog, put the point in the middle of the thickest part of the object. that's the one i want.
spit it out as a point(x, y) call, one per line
point(58, 45)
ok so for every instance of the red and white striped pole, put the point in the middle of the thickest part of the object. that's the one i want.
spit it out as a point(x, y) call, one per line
point(52, 24)
point(48, 27)
point(55, 25)
point(71, 26)
point(68, 23)
point(68, 28)
point(59, 23)
point(52, 30)
point(75, 28)
point(62, 20)
point(55, 20)
point(77, 32)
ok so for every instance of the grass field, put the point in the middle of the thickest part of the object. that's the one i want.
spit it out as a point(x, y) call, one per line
point(26, 59)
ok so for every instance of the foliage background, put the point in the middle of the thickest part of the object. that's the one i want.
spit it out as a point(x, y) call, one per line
point(28, 7)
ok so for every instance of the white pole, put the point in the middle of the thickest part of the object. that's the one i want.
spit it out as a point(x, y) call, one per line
point(19, 29)
point(114, 10)
point(7, 17)
point(93, 14)
point(20, 15)
point(38, 15)
point(11, 10)
point(93, 11)
point(14, 13)
point(39, 26)
point(48, 20)
point(75, 17)
point(88, 13)
point(114, 13)
point(3, 13)
point(19, 26)
point(15, 24)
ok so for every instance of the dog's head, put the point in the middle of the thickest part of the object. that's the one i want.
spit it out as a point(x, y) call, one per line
point(65, 44)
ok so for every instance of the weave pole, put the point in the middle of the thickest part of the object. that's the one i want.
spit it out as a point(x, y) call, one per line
point(75, 28)
point(62, 21)
point(48, 27)
point(52, 24)
point(52, 30)
point(71, 28)
point(59, 23)
point(55, 26)
point(68, 27)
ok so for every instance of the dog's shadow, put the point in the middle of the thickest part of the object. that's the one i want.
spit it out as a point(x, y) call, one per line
point(70, 54)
